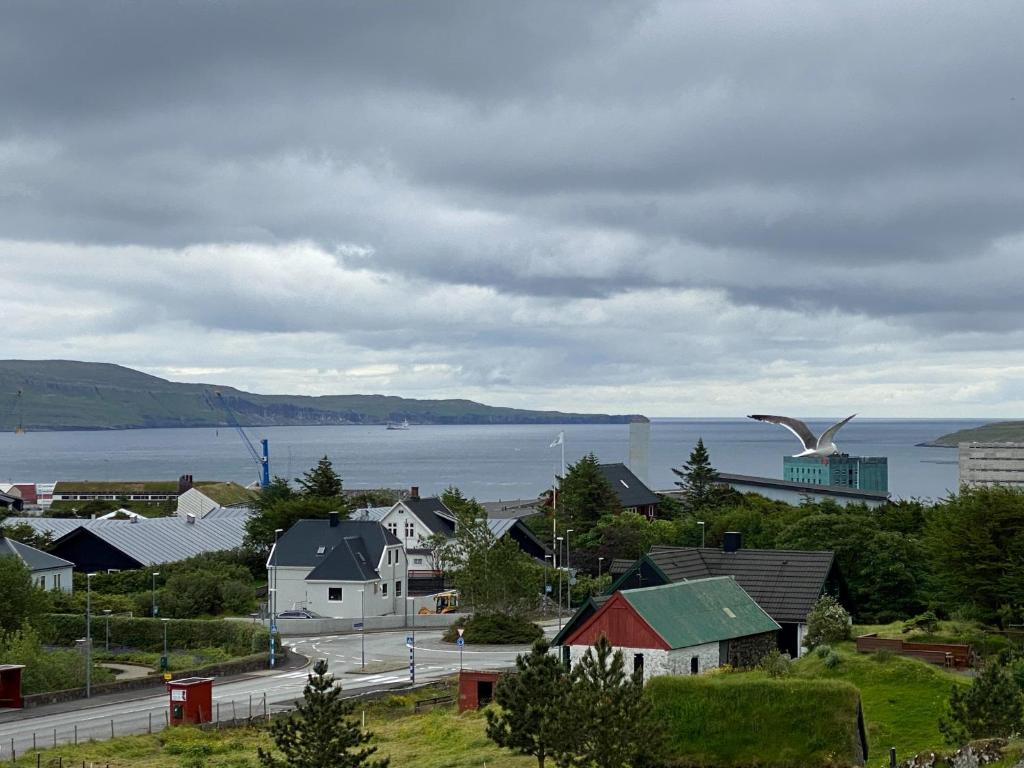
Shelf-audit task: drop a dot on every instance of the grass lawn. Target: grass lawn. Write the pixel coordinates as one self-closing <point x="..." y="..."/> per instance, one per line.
<point x="902" y="698"/>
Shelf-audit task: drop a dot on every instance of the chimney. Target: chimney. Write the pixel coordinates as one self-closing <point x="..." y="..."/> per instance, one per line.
<point x="639" y="446"/>
<point x="414" y="493"/>
<point x="732" y="542"/>
<point x="333" y="517"/>
<point x="184" y="483"/>
<point x="190" y="519"/>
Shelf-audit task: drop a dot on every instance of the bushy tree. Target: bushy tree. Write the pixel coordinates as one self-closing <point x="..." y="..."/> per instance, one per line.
<point x="828" y="622"/>
<point x="975" y="542"/>
<point x="260" y="527"/>
<point x="321" y="733"/>
<point x="990" y="707"/>
<point x="21" y="601"/>
<point x="278" y="490"/>
<point x="321" y="481"/>
<point x="697" y="479"/>
<point x="612" y="718"/>
<point x="585" y="495"/>
<point x="26" y="534"/>
<point x="535" y="702"/>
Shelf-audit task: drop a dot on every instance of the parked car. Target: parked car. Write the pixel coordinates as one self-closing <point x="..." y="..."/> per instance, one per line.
<point x="299" y="614"/>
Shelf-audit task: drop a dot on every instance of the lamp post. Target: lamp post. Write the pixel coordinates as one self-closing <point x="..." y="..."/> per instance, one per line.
<point x="599" y="561"/>
<point x="568" y="578"/>
<point x="88" y="634"/>
<point x="412" y="641"/>
<point x="155" y="608"/>
<point x="559" y="549"/>
<point x="701" y="524"/>
<point x="272" y="598"/>
<point x="166" y="660"/>
<point x="362" y="628"/>
<point x="106" y="612"/>
<point x="546" y="574"/>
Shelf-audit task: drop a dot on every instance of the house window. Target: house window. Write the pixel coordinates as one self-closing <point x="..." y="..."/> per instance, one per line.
<point x="417" y="561"/>
<point x="638" y="663"/>
<point x="389" y="557"/>
<point x="56" y="581"/>
<point x="694" y="665"/>
<point x="384" y="589"/>
<point x="334" y="594"/>
<point x="42" y="582"/>
<point x="393" y="529"/>
<point x="398" y="589"/>
<point x="410" y="530"/>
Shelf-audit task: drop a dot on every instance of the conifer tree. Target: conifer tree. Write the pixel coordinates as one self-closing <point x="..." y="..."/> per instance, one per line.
<point x="534" y="703"/>
<point x="614" y="718"/>
<point x="990" y="708"/>
<point x="697" y="478"/>
<point x="584" y="494"/>
<point x="320" y="732"/>
<point x="321" y="481"/>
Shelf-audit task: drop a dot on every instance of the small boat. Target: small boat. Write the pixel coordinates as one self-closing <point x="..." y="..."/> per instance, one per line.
<point x="403" y="424"/>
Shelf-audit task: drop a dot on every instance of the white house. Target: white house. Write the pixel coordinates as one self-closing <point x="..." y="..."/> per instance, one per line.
<point x="342" y="569"/>
<point x="48" y="572"/>
<point x="414" y="520"/>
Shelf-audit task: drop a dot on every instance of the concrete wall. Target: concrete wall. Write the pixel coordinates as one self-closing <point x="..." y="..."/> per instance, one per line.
<point x="316" y="627"/>
<point x="992" y="464"/>
<point x="659" y="662"/>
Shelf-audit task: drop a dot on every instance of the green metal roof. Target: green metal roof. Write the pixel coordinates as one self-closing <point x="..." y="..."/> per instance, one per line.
<point x="700" y="611"/>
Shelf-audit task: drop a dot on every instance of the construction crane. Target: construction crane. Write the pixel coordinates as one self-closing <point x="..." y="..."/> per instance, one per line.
<point x="20" y="428"/>
<point x="261" y="457"/>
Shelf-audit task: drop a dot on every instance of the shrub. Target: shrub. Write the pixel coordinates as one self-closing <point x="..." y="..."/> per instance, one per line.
<point x="240" y="638"/>
<point x="883" y="655"/>
<point x="924" y="622"/>
<point x="828" y="622"/>
<point x="832" y="660"/>
<point x="991" y="707"/>
<point x="45" y="670"/>
<point x="496" y="629"/>
<point x="823" y="651"/>
<point x="775" y="663"/>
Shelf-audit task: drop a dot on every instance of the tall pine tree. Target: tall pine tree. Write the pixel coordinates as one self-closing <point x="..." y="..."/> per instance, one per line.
<point x="613" y="718"/>
<point x="321" y="481"/>
<point x="697" y="479"/>
<point x="534" y="703"/>
<point x="320" y="732"/>
<point x="584" y="494"/>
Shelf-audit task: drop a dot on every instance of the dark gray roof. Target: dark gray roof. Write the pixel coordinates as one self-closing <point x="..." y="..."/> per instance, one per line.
<point x="619" y="566"/>
<point x="628" y="487"/>
<point x="350" y="550"/>
<point x="787" y="485"/>
<point x="784" y="582"/>
<point x="432" y="513"/>
<point x="35" y="559"/>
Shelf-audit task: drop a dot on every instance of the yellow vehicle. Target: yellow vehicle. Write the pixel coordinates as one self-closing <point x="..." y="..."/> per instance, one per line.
<point x="446" y="602"/>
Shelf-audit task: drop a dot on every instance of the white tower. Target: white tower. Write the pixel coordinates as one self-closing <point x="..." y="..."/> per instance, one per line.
<point x="639" y="446"/>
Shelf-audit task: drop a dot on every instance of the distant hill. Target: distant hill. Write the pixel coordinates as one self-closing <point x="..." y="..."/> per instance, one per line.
<point x="65" y="394"/>
<point x="996" y="432"/>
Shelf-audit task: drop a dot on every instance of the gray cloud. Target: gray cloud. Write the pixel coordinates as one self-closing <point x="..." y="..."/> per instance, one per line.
<point x="531" y="198"/>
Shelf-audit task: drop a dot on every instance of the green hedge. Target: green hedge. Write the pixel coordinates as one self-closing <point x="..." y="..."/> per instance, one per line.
<point x="728" y="721"/>
<point x="495" y="629"/>
<point x="239" y="638"/>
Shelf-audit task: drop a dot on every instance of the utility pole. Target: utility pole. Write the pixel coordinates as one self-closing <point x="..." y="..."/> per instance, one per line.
<point x="88" y="634"/>
<point x="559" y="586"/>
<point x="155" y="608"/>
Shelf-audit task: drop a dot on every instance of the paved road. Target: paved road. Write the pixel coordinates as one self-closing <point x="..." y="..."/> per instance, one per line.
<point x="387" y="665"/>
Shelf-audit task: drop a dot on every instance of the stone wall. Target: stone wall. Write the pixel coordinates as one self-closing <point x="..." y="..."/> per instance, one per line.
<point x="659" y="662"/>
<point x="744" y="652"/>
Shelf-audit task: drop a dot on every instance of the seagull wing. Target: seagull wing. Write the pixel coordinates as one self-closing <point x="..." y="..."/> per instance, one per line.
<point x="795" y="426"/>
<point x="829" y="434"/>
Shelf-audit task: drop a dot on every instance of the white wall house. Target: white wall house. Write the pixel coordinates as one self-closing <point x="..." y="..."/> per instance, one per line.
<point x="341" y="569"/>
<point x="414" y="520"/>
<point x="48" y="571"/>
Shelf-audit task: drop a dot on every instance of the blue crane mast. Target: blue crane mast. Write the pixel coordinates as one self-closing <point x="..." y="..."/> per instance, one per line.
<point x="261" y="457"/>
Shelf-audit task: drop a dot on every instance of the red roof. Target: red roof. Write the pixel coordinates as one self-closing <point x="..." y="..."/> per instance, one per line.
<point x="621" y="624"/>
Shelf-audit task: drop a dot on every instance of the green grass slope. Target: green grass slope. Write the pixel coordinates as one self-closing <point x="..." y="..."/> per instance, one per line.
<point x="66" y="394"/>
<point x="902" y="698"/>
<point x="996" y="432"/>
<point x="728" y="721"/>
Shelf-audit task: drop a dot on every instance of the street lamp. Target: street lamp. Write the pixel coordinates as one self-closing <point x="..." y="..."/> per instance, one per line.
<point x="701" y="524"/>
<point x="165" y="662"/>
<point x="362" y="627"/>
<point x="155" y="609"/>
<point x="568" y="580"/>
<point x="559" y="549"/>
<point x="88" y="634"/>
<point x="106" y="612"/>
<point x="552" y="559"/>
<point x="599" y="561"/>
<point x="272" y="597"/>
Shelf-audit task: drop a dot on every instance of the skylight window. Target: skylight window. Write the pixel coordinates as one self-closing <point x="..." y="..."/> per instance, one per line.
<point x="729" y="613"/>
<point x="321" y="550"/>
<point x="624" y="485"/>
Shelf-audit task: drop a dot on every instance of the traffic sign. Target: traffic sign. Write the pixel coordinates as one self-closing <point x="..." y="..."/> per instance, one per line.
<point x="461" y="641"/>
<point x="461" y="630"/>
<point x="409" y="640"/>
<point x="167" y="676"/>
<point x="572" y="582"/>
<point x="547" y="588"/>
<point x="273" y="628"/>
<point x="357" y="625"/>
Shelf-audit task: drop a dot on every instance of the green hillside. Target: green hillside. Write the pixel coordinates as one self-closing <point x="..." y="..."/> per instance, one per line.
<point x="996" y="432"/>
<point x="65" y="394"/>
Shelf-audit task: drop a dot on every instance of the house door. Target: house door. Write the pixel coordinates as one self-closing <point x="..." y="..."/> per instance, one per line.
<point x="694" y="665"/>
<point x="484" y="692"/>
<point x="638" y="663"/>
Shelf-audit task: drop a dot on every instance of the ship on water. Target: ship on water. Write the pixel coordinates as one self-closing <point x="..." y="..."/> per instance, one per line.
<point x="403" y="424"/>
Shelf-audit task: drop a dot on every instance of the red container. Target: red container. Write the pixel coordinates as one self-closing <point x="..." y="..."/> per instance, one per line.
<point x="10" y="685"/>
<point x="476" y="689"/>
<point x="191" y="700"/>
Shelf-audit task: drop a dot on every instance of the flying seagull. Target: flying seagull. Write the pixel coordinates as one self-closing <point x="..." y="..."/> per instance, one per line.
<point x="813" y="446"/>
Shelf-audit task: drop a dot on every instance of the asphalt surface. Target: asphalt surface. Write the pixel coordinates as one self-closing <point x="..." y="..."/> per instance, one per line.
<point x="386" y="665"/>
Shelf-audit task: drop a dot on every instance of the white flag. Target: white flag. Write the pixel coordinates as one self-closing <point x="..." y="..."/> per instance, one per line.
<point x="560" y="440"/>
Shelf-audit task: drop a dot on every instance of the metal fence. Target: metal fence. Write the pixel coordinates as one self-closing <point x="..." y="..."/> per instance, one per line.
<point x="230" y="713"/>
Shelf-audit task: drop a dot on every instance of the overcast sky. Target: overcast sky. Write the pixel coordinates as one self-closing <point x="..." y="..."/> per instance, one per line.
<point x="679" y="208"/>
